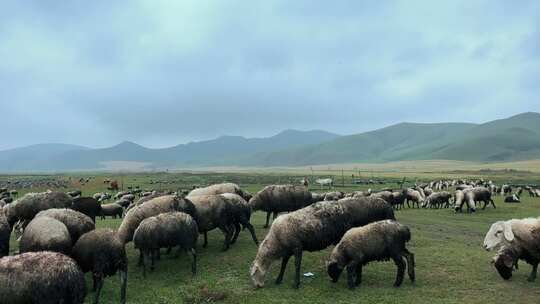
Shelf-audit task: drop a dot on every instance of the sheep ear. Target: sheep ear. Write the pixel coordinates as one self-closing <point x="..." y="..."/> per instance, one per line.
<point x="508" y="234"/>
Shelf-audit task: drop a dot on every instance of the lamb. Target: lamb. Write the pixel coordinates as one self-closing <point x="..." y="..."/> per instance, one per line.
<point x="153" y="207"/>
<point x="220" y="189"/>
<point x="377" y="241"/>
<point x="5" y="234"/>
<point x="313" y="228"/>
<point x="280" y="198"/>
<point x="215" y="211"/>
<point x="113" y="209"/>
<point x="41" y="277"/>
<point x="100" y="252"/>
<point x="166" y="230"/>
<point x="76" y="223"/>
<point x="438" y="200"/>
<point x="45" y="234"/>
<point x="241" y="213"/>
<point x="25" y="208"/>
<point x="87" y="205"/>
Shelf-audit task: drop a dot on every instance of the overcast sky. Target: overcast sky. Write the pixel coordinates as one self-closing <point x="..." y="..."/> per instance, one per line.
<point x="166" y="72"/>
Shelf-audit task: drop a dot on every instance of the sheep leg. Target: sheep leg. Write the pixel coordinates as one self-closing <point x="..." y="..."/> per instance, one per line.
<point x="205" y="240"/>
<point x="493" y="203"/>
<point x="141" y="259"/>
<point x="193" y="261"/>
<point x="358" y="275"/>
<point x="274" y="216"/>
<point x="267" y="219"/>
<point x="99" y="279"/>
<point x="532" y="276"/>
<point x="153" y="259"/>
<point x="158" y="254"/>
<point x="228" y="234"/>
<point x="252" y="231"/>
<point x="410" y="264"/>
<point x="297" y="264"/>
<point x="146" y="261"/>
<point x="351" y="274"/>
<point x="284" y="262"/>
<point x="123" y="285"/>
<point x="236" y="230"/>
<point x="400" y="263"/>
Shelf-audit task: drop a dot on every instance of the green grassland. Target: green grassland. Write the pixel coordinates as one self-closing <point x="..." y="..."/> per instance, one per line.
<point x="451" y="265"/>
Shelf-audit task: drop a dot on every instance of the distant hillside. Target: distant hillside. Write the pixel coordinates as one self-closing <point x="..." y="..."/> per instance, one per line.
<point x="511" y="139"/>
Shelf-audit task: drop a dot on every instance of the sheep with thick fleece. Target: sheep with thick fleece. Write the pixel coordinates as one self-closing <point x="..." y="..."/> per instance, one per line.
<point x="25" y="208"/>
<point x="512" y="231"/>
<point x="220" y="189"/>
<point x="45" y="234"/>
<point x="378" y="241"/>
<point x="313" y="228"/>
<point x="76" y="223"/>
<point x="479" y="194"/>
<point x="438" y="200"/>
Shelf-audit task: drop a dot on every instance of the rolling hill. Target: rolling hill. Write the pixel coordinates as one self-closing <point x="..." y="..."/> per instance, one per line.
<point x="510" y="139"/>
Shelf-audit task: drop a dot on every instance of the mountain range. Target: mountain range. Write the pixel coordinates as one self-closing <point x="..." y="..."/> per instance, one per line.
<point x="513" y="138"/>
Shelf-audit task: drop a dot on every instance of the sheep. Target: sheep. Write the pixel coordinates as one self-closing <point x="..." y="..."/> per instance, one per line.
<point x="123" y="202"/>
<point x="100" y="252"/>
<point x="463" y="187"/>
<point x="128" y="197"/>
<point x="460" y="197"/>
<point x="220" y="189"/>
<point x="333" y="196"/>
<point x="166" y="230"/>
<point x="507" y="258"/>
<point x="87" y="205"/>
<point x="398" y="199"/>
<point x="153" y="207"/>
<point x="41" y="277"/>
<point x="388" y="196"/>
<point x="241" y="213"/>
<point x="215" y="211"/>
<point x="438" y="200"/>
<point x="45" y="234"/>
<point x="376" y="241"/>
<point x="415" y="196"/>
<point x="76" y="223"/>
<point x="479" y="194"/>
<point x="113" y="209"/>
<point x="509" y="232"/>
<point x="514" y="198"/>
<point x="144" y="199"/>
<point x="280" y="198"/>
<point x="75" y="193"/>
<point x="313" y="228"/>
<point x="30" y="204"/>
<point x="428" y="191"/>
<point x="5" y="234"/>
<point x="317" y="197"/>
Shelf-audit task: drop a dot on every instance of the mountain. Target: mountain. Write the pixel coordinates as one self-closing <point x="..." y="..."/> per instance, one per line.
<point x="513" y="138"/>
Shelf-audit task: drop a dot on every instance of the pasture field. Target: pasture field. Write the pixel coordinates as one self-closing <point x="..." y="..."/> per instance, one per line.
<point x="451" y="266"/>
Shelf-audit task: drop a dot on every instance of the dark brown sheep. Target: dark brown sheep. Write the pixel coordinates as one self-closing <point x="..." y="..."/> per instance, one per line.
<point x="113" y="210"/>
<point x="87" y="205"/>
<point x="5" y="234"/>
<point x="241" y="214"/>
<point x="41" y="277"/>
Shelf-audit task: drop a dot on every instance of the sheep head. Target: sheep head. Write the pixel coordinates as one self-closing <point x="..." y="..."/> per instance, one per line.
<point x="498" y="233"/>
<point x="334" y="271"/>
<point x="504" y="262"/>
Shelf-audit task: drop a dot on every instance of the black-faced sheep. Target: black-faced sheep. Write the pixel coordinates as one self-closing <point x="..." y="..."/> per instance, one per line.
<point x="88" y="206"/>
<point x="5" y="234"/>
<point x="76" y="223"/>
<point x="113" y="210"/>
<point x="280" y="198"/>
<point x="153" y="207"/>
<point x="220" y="189"/>
<point x="41" y="277"/>
<point x="45" y="234"/>
<point x="166" y="230"/>
<point x="313" y="228"/>
<point x="100" y="252"/>
<point x="25" y="208"/>
<point x="378" y="241"/>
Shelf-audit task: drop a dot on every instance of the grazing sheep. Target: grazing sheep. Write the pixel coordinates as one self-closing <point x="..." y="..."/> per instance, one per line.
<point x="415" y="196"/>
<point x="76" y="223"/>
<point x="113" y="209"/>
<point x="87" y="205"/>
<point x="214" y="211"/>
<point x="153" y="207"/>
<point x="280" y="198"/>
<point x="5" y="234"/>
<point x="41" y="277"/>
<point x="509" y="232"/>
<point x="100" y="252"/>
<point x="144" y="199"/>
<point x="508" y="256"/>
<point x="25" y="208"/>
<point x="45" y="234"/>
<point x="313" y="228"/>
<point x="166" y="230"/>
<point x="220" y="189"/>
<point x="398" y="199"/>
<point x="241" y="214"/>
<point x="378" y="241"/>
<point x="479" y="194"/>
<point x="459" y="200"/>
<point x="514" y="198"/>
<point x="438" y="200"/>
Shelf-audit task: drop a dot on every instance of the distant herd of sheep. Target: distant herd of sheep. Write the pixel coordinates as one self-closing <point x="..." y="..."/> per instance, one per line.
<point x="58" y="241"/>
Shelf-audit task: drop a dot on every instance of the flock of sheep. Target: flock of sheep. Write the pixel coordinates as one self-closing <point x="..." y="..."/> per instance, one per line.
<point x="58" y="241"/>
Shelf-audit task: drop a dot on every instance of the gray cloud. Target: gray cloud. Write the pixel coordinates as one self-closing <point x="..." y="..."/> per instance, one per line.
<point x="160" y="73"/>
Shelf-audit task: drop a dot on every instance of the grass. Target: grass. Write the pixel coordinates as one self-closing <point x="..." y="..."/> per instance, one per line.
<point x="451" y="265"/>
